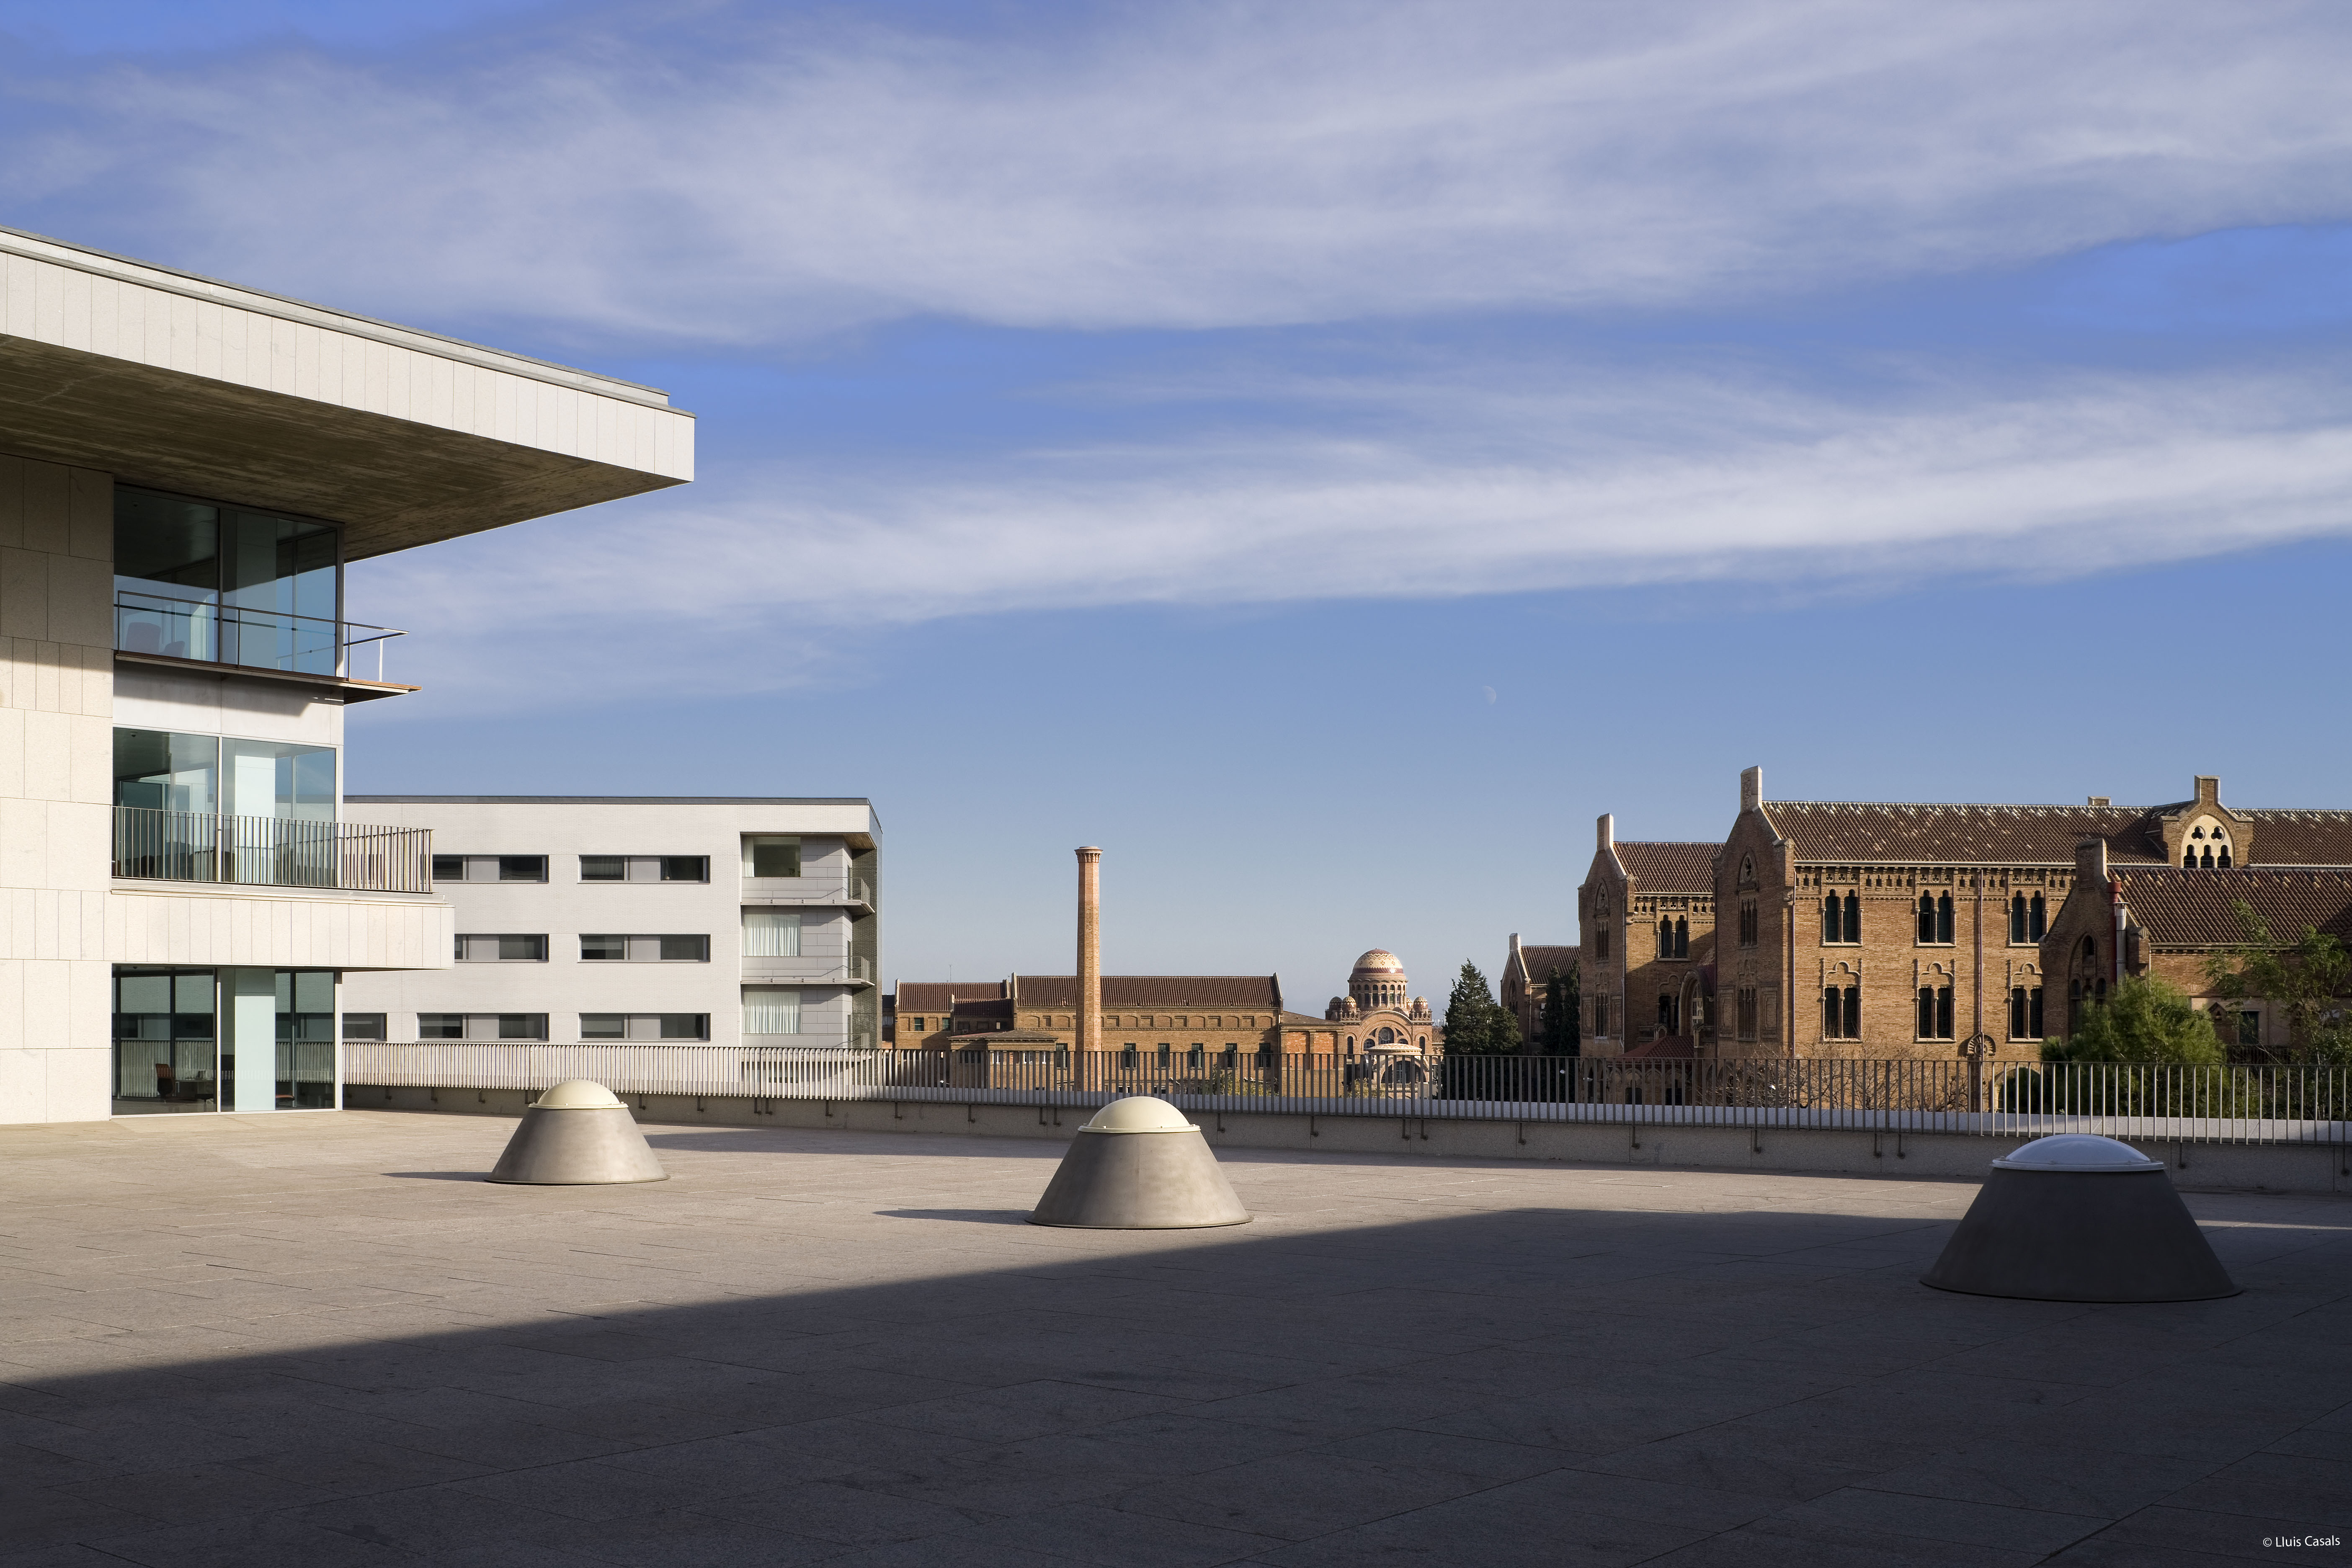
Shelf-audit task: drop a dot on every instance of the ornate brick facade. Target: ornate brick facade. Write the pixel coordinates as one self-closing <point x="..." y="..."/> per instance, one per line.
<point x="1882" y="930"/>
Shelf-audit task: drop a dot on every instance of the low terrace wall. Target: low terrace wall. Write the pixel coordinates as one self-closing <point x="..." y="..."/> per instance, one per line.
<point x="1900" y="1154"/>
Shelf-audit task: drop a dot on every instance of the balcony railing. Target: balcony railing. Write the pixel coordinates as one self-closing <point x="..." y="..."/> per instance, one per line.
<point x="270" y="851"/>
<point x="810" y="966"/>
<point x="851" y="891"/>
<point x="259" y="639"/>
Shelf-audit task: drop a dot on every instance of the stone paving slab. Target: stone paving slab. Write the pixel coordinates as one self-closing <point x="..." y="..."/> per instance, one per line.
<point x="322" y="1340"/>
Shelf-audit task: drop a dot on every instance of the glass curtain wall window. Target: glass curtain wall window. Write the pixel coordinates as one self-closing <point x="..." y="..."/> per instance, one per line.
<point x="306" y="1039"/>
<point x="770" y="1010"/>
<point x="166" y="1039"/>
<point x="200" y="581"/>
<point x="772" y="934"/>
<point x="174" y="792"/>
<point x="170" y="1053"/>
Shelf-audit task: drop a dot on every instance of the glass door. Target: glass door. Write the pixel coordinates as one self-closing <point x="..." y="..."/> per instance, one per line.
<point x="166" y="1041"/>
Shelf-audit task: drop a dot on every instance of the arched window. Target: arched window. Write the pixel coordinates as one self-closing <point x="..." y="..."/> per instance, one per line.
<point x="1682" y="938"/>
<point x="1669" y="1015"/>
<point x="1926" y="917"/>
<point x="2188" y="858"/>
<point x="2017" y="918"/>
<point x="2017" y="1014"/>
<point x="1854" y="917"/>
<point x="1748" y="922"/>
<point x="1935" y="1012"/>
<point x="2225" y="857"/>
<point x="2035" y="927"/>
<point x="1665" y="938"/>
<point x="1943" y="917"/>
<point x="1833" y="926"/>
<point x="1842" y="1013"/>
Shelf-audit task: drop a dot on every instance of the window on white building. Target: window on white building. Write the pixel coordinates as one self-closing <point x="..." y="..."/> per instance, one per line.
<point x="772" y="934"/>
<point x="771" y="855"/>
<point x="645" y="1026"/>
<point x="771" y="1010"/>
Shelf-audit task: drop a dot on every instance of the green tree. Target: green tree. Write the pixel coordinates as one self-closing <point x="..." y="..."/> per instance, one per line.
<point x="2142" y="1020"/>
<point x="1556" y="1028"/>
<point x="1476" y="1024"/>
<point x="2306" y="985"/>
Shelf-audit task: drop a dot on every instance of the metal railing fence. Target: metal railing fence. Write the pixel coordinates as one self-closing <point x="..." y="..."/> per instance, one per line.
<point x="2162" y="1103"/>
<point x="213" y="632"/>
<point x="271" y="851"/>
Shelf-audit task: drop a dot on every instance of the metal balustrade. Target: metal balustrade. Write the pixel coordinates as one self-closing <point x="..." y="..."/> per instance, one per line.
<point x="214" y="633"/>
<point x="270" y="851"/>
<point x="2162" y="1103"/>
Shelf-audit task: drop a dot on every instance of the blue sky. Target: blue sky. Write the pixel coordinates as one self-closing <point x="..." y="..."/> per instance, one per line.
<point x="1323" y="454"/>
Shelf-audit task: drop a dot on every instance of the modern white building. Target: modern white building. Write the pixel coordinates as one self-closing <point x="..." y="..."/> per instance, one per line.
<point x="735" y="922"/>
<point x="185" y="469"/>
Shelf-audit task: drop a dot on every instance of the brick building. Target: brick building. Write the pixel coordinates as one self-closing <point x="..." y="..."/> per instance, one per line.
<point x="1520" y="987"/>
<point x="1646" y="913"/>
<point x="1883" y="929"/>
<point x="1025" y="1019"/>
<point x="2167" y="920"/>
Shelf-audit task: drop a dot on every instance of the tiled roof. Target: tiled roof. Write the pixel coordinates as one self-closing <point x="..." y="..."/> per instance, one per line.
<point x="1673" y="1047"/>
<point x="1663" y="866"/>
<point x="1153" y="990"/>
<point x="938" y="995"/>
<point x="1542" y="961"/>
<point x="2180" y="907"/>
<point x="1853" y="831"/>
<point x="2301" y="838"/>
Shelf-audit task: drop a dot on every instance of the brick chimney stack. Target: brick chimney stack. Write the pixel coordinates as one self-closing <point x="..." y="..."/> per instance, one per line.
<point x="1089" y="949"/>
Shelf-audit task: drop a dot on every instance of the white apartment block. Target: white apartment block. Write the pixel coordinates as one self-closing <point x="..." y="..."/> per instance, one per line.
<point x="185" y="469"/>
<point x="728" y="921"/>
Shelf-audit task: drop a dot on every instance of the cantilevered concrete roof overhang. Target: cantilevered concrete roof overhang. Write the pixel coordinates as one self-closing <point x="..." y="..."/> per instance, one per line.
<point x="165" y="379"/>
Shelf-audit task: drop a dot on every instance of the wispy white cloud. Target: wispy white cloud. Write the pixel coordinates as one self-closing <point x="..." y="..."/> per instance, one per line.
<point x="721" y="174"/>
<point x="763" y="574"/>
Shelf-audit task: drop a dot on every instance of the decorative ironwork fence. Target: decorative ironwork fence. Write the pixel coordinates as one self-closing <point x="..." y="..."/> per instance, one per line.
<point x="2203" y="1105"/>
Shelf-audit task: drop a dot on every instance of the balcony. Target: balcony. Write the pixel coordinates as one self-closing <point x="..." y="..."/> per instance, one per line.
<point x="270" y="852"/>
<point x="810" y="969"/>
<point x="833" y="892"/>
<point x="184" y="634"/>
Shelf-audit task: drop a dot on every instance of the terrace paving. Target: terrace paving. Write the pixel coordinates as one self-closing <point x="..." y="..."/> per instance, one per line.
<point x="318" y="1339"/>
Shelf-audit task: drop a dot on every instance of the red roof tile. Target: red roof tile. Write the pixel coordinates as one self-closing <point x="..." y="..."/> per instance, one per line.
<point x="1542" y="961"/>
<point x="1855" y="831"/>
<point x="1665" y="866"/>
<point x="2180" y="907"/>
<point x="1153" y="990"/>
<point x="938" y="995"/>
<point x="1673" y="1047"/>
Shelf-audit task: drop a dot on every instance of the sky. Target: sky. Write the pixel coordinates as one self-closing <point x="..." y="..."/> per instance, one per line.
<point x="1322" y="453"/>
